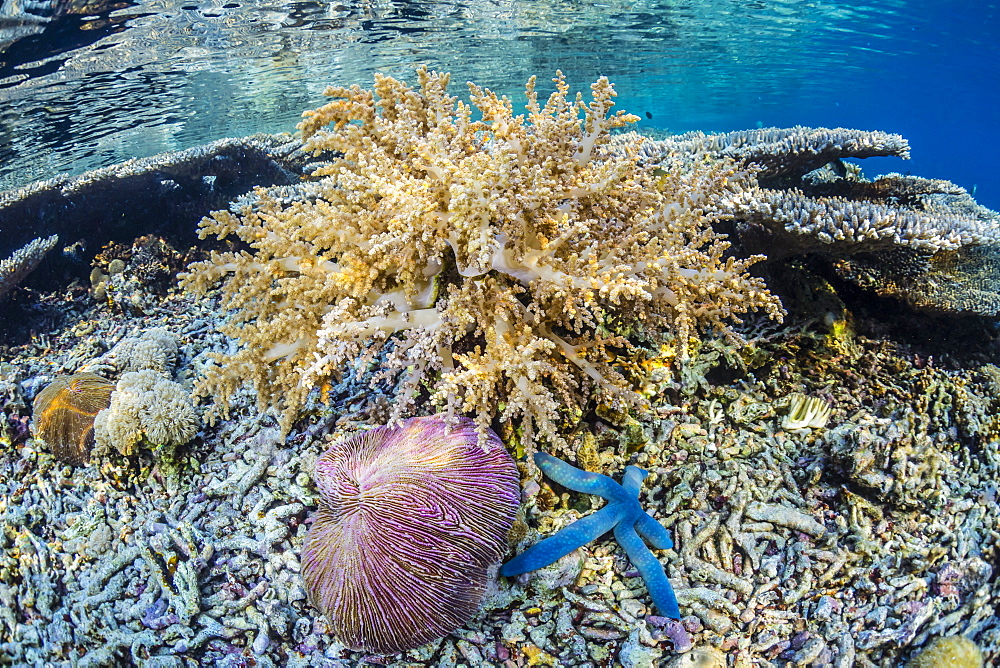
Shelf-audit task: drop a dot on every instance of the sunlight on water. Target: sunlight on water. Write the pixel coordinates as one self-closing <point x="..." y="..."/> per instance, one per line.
<point x="104" y="81"/>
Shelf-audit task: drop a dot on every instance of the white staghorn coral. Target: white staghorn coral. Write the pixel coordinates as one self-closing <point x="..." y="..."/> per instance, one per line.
<point x="22" y="262"/>
<point x="505" y="257"/>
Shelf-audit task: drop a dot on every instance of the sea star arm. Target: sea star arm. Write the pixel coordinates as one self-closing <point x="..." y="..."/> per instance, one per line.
<point x="653" y="532"/>
<point x="560" y="544"/>
<point x="647" y="527"/>
<point x="632" y="480"/>
<point x="576" y="479"/>
<point x="623" y="513"/>
<point x="650" y="569"/>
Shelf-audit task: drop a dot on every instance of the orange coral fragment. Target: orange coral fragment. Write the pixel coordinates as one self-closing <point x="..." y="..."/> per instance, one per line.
<point x="63" y="414"/>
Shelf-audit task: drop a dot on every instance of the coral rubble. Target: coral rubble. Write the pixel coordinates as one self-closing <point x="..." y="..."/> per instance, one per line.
<point x="506" y="258"/>
<point x="786" y="550"/>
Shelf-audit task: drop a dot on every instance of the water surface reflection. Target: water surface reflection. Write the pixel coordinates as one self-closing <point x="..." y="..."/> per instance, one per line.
<point x="134" y="79"/>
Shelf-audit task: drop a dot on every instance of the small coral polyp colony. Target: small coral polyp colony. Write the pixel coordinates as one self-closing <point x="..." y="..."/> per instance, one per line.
<point x="506" y="258"/>
<point x="85" y="414"/>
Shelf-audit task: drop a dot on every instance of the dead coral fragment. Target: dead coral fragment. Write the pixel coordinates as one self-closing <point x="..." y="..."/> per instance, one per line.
<point x="63" y="414"/>
<point x="506" y="255"/>
<point x="23" y="262"/>
<point x="785" y="516"/>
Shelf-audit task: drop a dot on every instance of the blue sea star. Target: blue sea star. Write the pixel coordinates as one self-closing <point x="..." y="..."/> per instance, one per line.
<point x="622" y="513"/>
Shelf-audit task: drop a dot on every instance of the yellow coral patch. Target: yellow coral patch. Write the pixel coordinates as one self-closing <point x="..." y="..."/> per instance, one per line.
<point x="508" y="257"/>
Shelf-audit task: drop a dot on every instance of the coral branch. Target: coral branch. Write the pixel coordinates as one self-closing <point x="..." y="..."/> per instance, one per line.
<point x="496" y="260"/>
<point x="23" y="262"/>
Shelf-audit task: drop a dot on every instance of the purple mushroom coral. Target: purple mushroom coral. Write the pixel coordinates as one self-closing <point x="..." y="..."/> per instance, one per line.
<point x="412" y="522"/>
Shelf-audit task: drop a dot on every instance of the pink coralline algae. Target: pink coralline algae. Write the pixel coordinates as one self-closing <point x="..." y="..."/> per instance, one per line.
<point x="412" y="523"/>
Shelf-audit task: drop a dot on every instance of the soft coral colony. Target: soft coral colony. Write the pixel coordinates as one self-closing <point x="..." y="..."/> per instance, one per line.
<point x="506" y="258"/>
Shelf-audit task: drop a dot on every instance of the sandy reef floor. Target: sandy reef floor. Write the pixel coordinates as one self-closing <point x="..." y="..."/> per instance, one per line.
<point x="847" y="545"/>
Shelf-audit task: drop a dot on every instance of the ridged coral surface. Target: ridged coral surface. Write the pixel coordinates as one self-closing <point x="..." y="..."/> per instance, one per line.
<point x="411" y="523"/>
<point x="63" y="414"/>
<point x="948" y="652"/>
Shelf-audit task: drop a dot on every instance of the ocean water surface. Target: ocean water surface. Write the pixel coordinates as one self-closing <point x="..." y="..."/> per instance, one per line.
<point x="88" y="83"/>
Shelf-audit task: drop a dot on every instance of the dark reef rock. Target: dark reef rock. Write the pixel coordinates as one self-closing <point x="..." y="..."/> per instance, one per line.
<point x="923" y="241"/>
<point x="165" y="194"/>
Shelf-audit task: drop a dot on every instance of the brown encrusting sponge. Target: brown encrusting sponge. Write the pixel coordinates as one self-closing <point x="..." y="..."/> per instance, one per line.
<point x="507" y="258"/>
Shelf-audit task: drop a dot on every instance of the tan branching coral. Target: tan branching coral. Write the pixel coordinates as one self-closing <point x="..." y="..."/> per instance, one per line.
<point x="22" y="262"/>
<point x="503" y="256"/>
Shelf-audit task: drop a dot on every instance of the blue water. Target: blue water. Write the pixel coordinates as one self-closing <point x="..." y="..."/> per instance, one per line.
<point x="101" y="84"/>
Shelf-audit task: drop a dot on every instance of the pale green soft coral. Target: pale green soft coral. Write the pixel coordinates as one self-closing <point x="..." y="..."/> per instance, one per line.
<point x="146" y="408"/>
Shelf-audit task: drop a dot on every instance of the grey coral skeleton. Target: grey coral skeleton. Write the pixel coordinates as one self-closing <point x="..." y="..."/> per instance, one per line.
<point x="22" y="262"/>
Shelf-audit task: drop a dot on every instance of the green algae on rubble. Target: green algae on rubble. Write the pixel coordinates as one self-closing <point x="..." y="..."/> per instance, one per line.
<point x="948" y="652"/>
